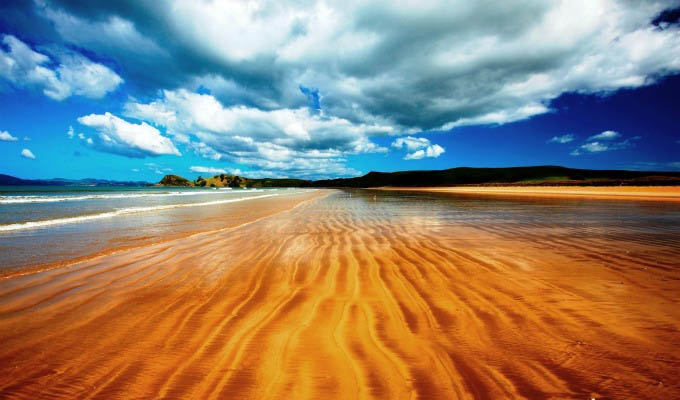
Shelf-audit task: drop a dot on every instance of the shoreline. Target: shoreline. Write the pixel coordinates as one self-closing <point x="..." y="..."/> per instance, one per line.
<point x="644" y="193"/>
<point x="31" y="269"/>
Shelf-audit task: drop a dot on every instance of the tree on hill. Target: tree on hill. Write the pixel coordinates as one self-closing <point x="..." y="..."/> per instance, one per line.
<point x="174" y="180"/>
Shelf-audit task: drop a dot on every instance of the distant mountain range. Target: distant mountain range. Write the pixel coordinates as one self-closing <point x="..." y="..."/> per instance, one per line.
<point x="7" y="180"/>
<point x="538" y="175"/>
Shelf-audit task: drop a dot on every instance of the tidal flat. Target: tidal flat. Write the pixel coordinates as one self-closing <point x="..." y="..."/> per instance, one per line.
<point x="364" y="294"/>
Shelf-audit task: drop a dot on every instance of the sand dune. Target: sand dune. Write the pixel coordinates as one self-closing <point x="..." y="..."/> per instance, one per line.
<point x="337" y="298"/>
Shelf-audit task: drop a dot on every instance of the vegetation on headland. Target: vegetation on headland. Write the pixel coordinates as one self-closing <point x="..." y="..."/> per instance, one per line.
<point x="233" y="181"/>
<point x="515" y="176"/>
<point x="174" y="180"/>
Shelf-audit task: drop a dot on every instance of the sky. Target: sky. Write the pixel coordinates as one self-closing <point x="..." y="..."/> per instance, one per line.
<point x="134" y="90"/>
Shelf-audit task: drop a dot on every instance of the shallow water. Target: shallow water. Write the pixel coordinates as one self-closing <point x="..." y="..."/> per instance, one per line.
<point x="44" y="225"/>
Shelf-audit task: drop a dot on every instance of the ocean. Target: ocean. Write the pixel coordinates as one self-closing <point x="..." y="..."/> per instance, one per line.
<point x="40" y="225"/>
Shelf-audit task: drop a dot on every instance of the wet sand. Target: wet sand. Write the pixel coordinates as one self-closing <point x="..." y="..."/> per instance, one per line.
<point x="659" y="193"/>
<point x="344" y="297"/>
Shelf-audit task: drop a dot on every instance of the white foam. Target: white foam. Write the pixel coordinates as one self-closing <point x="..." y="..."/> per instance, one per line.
<point x="52" y="199"/>
<point x="122" y="211"/>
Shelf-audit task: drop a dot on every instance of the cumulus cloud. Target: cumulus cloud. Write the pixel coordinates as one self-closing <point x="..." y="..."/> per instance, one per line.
<point x="419" y="148"/>
<point x="562" y="139"/>
<point x="115" y="135"/>
<point x="433" y="151"/>
<point x="295" y="140"/>
<point x="470" y="63"/>
<point x="7" y="137"/>
<point x="411" y="143"/>
<point x="214" y="171"/>
<point x="26" y="153"/>
<point x="65" y="74"/>
<point x="605" y="141"/>
<point x="606" y="135"/>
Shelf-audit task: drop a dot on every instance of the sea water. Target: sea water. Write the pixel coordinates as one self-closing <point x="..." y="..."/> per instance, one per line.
<point x="43" y="224"/>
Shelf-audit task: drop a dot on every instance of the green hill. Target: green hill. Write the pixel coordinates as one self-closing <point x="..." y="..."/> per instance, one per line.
<point x="174" y="180"/>
<point x="234" y="181"/>
<point x="538" y="175"/>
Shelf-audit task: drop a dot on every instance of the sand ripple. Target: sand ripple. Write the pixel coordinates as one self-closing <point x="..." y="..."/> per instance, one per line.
<point x="338" y="298"/>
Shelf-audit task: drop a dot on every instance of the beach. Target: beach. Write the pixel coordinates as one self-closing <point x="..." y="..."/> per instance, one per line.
<point x="363" y="294"/>
<point x="658" y="193"/>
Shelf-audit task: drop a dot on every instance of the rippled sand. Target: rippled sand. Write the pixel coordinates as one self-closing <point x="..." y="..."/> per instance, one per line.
<point x="342" y="297"/>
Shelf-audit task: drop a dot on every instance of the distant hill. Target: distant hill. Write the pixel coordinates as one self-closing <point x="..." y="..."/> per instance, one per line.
<point x="234" y="181"/>
<point x="174" y="180"/>
<point x="7" y="180"/>
<point x="538" y="175"/>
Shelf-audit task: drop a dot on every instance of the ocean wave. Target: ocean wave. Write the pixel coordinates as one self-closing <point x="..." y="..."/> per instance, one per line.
<point x="119" y="212"/>
<point x="54" y="199"/>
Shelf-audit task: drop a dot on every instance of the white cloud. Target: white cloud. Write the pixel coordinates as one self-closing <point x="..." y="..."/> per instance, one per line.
<point x="433" y="151"/>
<point x="27" y="139"/>
<point x="215" y="171"/>
<point x="295" y="140"/>
<point x="470" y="63"/>
<point x="607" y="145"/>
<point x="419" y="148"/>
<point x="157" y="169"/>
<point x="70" y="133"/>
<point x="562" y="139"/>
<point x="595" y="147"/>
<point x="606" y="135"/>
<point x="118" y="136"/>
<point x="26" y="153"/>
<point x="208" y="170"/>
<point x="64" y="75"/>
<point x="7" y="137"/>
<point x="411" y="143"/>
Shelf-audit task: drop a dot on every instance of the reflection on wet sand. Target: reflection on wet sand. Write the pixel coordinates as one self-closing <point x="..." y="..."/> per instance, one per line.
<point x="400" y="296"/>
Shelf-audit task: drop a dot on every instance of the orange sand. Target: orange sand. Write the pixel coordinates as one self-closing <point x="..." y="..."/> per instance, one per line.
<point x="333" y="299"/>
<point x="662" y="193"/>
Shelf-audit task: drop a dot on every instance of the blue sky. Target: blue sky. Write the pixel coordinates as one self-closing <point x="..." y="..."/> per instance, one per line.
<point x="135" y="90"/>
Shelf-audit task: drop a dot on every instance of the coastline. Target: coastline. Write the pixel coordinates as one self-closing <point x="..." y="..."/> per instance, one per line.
<point x="645" y="193"/>
<point x="343" y="296"/>
<point x="266" y="207"/>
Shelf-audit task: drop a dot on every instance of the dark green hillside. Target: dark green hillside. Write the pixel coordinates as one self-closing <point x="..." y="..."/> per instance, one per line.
<point x="539" y="175"/>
